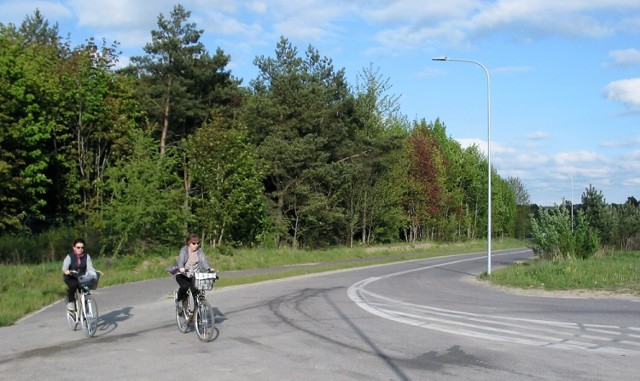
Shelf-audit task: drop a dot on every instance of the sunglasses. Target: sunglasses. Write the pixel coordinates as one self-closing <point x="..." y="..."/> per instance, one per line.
<point x="80" y="247"/>
<point x="195" y="243"/>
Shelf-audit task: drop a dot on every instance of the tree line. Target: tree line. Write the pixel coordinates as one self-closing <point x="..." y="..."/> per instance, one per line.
<point x="138" y="155"/>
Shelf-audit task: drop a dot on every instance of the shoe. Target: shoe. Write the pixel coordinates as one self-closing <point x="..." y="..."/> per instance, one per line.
<point x="71" y="306"/>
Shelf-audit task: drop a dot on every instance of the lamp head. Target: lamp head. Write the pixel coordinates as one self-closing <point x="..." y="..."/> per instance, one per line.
<point x="439" y="58"/>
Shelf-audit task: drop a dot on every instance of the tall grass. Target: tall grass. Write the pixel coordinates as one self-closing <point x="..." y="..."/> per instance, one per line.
<point x="618" y="272"/>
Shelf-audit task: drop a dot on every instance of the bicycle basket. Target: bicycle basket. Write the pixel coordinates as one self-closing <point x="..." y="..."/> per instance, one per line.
<point x="204" y="281"/>
<point x="89" y="280"/>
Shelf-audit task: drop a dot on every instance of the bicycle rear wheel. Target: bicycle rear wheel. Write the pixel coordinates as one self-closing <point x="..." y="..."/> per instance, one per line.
<point x="205" y="321"/>
<point x="89" y="316"/>
<point x="183" y="318"/>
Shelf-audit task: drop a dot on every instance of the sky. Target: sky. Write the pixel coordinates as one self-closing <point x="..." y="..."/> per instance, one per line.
<point x="560" y="99"/>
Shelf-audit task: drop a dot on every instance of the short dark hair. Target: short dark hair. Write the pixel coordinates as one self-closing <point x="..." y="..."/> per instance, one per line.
<point x="77" y="241"/>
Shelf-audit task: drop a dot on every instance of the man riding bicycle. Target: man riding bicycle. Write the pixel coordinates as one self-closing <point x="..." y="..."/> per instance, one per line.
<point x="77" y="261"/>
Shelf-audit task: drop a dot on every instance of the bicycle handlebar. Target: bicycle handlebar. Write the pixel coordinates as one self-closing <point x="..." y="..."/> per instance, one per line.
<point x="191" y="273"/>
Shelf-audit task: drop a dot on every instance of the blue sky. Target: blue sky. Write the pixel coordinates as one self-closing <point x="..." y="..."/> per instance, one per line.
<point x="565" y="75"/>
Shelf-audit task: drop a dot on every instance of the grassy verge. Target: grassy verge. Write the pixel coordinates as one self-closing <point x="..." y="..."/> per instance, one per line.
<point x="27" y="288"/>
<point x="618" y="272"/>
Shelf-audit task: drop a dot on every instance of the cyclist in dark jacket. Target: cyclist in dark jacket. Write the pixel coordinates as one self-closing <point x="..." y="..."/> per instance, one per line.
<point x="76" y="260"/>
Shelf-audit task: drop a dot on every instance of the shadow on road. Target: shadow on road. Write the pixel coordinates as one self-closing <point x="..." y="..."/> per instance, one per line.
<point x="109" y="321"/>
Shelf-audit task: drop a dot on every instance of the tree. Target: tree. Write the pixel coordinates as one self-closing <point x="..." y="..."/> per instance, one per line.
<point x="597" y="214"/>
<point x="99" y="112"/>
<point x="371" y="195"/>
<point x="180" y="84"/>
<point x="65" y="111"/>
<point x="504" y="207"/>
<point x="519" y="190"/>
<point x="29" y="94"/>
<point x="301" y="119"/>
<point x="165" y="70"/>
<point x="228" y="201"/>
<point x="145" y="205"/>
<point x="35" y="30"/>
<point x="179" y="81"/>
<point x="626" y="229"/>
<point x="427" y="173"/>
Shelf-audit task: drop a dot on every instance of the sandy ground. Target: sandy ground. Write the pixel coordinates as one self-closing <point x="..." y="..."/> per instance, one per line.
<point x="584" y="294"/>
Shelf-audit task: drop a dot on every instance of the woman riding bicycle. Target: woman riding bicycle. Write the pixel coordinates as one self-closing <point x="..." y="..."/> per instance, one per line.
<point x="190" y="261"/>
<point x="79" y="261"/>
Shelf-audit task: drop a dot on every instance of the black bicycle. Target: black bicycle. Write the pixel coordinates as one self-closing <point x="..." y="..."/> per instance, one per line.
<point x="86" y="308"/>
<point x="197" y="310"/>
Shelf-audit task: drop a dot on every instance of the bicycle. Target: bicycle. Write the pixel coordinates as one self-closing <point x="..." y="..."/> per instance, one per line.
<point x="86" y="311"/>
<point x="197" y="309"/>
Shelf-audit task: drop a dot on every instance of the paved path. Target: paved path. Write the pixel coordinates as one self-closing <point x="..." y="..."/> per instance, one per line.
<point x="415" y="320"/>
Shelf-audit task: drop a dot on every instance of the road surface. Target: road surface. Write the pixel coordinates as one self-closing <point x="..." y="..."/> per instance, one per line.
<point x="418" y="320"/>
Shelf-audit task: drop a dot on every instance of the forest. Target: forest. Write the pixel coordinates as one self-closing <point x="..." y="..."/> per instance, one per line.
<point x="135" y="157"/>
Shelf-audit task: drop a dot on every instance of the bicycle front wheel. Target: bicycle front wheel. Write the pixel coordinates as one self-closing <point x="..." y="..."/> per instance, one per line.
<point x="205" y="321"/>
<point x="90" y="316"/>
<point x="71" y="320"/>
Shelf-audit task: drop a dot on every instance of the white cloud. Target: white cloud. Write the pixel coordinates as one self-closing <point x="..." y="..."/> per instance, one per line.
<point x="118" y="13"/>
<point x="626" y="91"/>
<point x="481" y="144"/>
<point x="13" y="10"/>
<point x="538" y="135"/>
<point x="513" y="69"/>
<point x="625" y="57"/>
<point x="623" y="143"/>
<point x="415" y="23"/>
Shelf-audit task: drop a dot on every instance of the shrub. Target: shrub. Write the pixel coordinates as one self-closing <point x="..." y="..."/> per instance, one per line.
<point x="554" y="238"/>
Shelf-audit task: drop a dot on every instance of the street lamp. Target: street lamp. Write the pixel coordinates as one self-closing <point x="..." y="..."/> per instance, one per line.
<point x="488" y="151"/>
<point x="571" y="177"/>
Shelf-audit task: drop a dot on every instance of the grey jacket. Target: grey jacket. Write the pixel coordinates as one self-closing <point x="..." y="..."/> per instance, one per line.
<point x="202" y="264"/>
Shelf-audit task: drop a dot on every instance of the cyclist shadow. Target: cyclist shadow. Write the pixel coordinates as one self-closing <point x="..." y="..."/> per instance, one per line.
<point x="218" y="316"/>
<point x="109" y="322"/>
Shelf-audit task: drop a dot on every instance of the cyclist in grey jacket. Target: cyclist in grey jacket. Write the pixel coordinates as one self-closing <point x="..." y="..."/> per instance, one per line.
<point x="190" y="261"/>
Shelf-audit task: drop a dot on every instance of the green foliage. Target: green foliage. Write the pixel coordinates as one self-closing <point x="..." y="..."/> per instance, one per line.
<point x="598" y="214"/>
<point x="301" y="118"/>
<point x="145" y="205"/>
<point x="229" y="205"/>
<point x="179" y="82"/>
<point x="28" y="97"/>
<point x="519" y="190"/>
<point x="554" y="238"/>
<point x="626" y="231"/>
<point x="297" y="159"/>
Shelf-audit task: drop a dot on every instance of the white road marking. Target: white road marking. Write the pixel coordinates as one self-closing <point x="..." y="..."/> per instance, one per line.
<point x="543" y="333"/>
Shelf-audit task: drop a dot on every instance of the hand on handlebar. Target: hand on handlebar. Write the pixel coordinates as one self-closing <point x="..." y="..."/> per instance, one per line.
<point x="212" y="270"/>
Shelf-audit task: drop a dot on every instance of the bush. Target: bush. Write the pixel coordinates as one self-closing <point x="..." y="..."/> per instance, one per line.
<point x="554" y="237"/>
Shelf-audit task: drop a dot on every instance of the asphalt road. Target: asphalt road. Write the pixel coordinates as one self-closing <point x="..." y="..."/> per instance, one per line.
<point x="416" y="320"/>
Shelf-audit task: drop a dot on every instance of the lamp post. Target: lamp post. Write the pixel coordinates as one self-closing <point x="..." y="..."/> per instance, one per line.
<point x="488" y="151"/>
<point x="571" y="177"/>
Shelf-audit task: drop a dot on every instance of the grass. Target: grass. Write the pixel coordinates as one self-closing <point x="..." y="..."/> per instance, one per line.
<point x="27" y="288"/>
<point x="618" y="272"/>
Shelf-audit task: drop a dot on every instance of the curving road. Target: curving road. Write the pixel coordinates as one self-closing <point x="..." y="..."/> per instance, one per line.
<point x="416" y="320"/>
